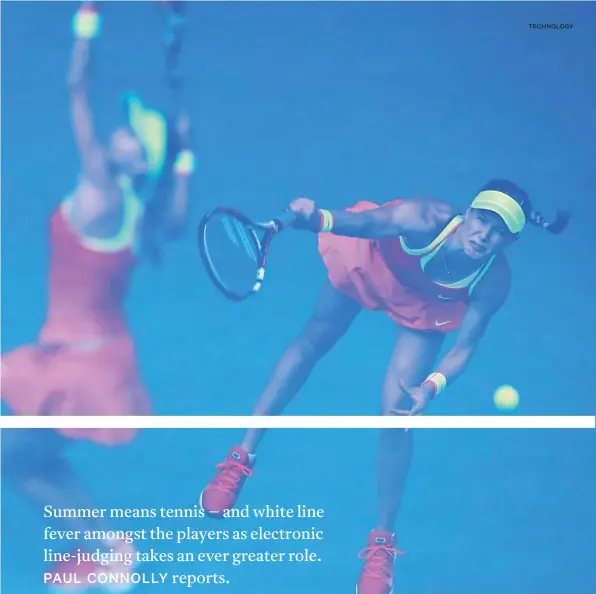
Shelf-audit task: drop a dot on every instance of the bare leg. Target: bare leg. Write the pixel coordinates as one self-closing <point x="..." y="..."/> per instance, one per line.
<point x="411" y="362"/>
<point x="33" y="461"/>
<point x="333" y="315"/>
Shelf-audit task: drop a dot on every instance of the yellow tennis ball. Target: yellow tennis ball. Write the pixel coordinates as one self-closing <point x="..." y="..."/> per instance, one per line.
<point x="506" y="398"/>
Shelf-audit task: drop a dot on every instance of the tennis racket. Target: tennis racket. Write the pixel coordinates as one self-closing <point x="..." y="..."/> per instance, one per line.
<point x="234" y="249"/>
<point x="173" y="20"/>
<point x="174" y="13"/>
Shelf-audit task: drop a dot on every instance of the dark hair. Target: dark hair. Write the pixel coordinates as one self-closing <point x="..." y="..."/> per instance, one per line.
<point x="156" y="205"/>
<point x="533" y="217"/>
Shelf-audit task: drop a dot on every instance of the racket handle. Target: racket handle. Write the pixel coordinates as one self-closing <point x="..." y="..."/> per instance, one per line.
<point x="286" y="219"/>
<point x="177" y="6"/>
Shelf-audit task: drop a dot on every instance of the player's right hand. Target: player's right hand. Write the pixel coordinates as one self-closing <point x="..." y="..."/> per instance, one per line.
<point x="307" y="216"/>
<point x="183" y="129"/>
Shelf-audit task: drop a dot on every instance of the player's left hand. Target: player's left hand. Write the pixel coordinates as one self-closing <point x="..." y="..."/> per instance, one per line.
<point x="420" y="397"/>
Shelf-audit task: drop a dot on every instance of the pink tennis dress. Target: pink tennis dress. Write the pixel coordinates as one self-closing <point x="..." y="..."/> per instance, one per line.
<point x="386" y="275"/>
<point x="99" y="376"/>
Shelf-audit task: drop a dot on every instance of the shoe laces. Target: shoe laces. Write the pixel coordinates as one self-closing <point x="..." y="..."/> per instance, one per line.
<point x="376" y="557"/>
<point x="230" y="475"/>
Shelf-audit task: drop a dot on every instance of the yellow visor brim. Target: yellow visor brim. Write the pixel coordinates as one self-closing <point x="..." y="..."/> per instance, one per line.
<point x="151" y="129"/>
<point x="503" y="205"/>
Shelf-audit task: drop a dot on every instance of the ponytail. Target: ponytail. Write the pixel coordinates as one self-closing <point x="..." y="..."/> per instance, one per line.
<point x="556" y="227"/>
<point x="486" y="199"/>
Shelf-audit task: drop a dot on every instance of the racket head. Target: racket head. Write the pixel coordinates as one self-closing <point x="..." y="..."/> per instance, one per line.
<point x="232" y="252"/>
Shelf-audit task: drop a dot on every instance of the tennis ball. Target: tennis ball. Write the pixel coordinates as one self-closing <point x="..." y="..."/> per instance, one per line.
<point x="506" y="398"/>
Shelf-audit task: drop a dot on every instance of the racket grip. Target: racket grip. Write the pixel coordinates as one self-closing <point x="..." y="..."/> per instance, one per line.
<point x="177" y="6"/>
<point x="286" y="219"/>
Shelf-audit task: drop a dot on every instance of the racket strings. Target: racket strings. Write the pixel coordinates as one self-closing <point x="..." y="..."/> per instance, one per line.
<point x="233" y="252"/>
<point x="237" y="232"/>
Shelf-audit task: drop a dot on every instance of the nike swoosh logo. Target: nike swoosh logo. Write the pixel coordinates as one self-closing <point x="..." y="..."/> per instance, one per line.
<point x="437" y="323"/>
<point x="445" y="298"/>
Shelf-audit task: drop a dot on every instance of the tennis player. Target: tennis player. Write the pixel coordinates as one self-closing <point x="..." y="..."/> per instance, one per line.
<point x="83" y="361"/>
<point x="432" y="271"/>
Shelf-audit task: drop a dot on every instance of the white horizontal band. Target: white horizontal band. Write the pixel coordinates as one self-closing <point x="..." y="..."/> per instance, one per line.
<point x="301" y="422"/>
